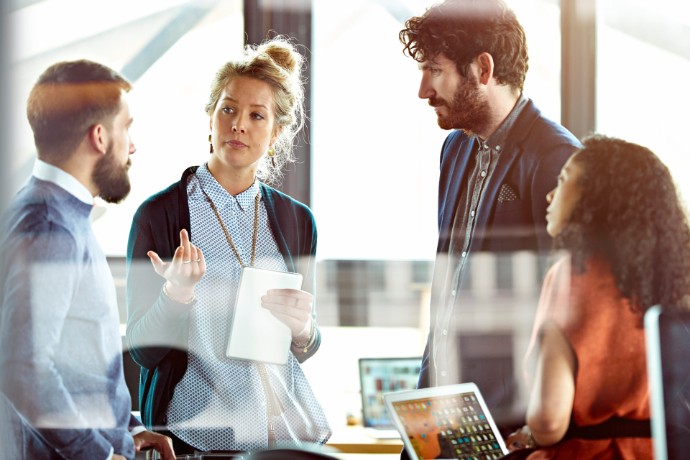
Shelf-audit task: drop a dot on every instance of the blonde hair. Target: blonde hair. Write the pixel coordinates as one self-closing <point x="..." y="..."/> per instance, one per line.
<point x="277" y="62"/>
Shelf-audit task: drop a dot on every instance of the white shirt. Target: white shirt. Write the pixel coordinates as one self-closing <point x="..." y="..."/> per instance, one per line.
<point x="62" y="179"/>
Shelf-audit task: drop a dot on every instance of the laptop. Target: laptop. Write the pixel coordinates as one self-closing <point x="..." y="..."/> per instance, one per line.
<point x="668" y="352"/>
<point x="378" y="376"/>
<point x="449" y="422"/>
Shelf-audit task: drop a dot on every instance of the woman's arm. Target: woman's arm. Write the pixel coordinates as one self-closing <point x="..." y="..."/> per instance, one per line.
<point x="156" y="323"/>
<point x="553" y="391"/>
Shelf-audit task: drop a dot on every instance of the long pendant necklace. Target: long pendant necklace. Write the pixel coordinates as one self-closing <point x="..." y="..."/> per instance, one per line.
<point x="227" y="233"/>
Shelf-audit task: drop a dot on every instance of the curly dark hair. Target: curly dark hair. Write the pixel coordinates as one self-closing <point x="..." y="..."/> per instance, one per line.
<point x="630" y="212"/>
<point x="463" y="29"/>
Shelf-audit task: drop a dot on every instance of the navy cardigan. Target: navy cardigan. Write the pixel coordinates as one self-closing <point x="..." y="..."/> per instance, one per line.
<point x="156" y="227"/>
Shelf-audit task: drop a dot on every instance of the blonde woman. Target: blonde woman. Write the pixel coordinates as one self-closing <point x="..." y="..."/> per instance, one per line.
<point x="198" y="234"/>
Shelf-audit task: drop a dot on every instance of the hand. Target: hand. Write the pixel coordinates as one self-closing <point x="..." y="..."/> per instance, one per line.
<point x="520" y="439"/>
<point x="187" y="267"/>
<point x="293" y="307"/>
<point x="118" y="457"/>
<point x="150" y="440"/>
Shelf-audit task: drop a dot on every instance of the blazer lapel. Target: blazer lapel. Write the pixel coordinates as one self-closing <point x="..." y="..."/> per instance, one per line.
<point x="512" y="150"/>
<point x="454" y="164"/>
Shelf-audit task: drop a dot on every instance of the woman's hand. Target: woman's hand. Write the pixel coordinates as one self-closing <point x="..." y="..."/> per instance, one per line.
<point x="183" y="272"/>
<point x="520" y="439"/>
<point x="293" y="307"/>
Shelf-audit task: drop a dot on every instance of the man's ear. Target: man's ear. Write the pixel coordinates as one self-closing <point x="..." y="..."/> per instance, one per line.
<point x="485" y="65"/>
<point x="98" y="138"/>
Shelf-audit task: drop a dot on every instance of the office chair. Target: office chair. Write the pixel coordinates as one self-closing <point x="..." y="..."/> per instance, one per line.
<point x="667" y="336"/>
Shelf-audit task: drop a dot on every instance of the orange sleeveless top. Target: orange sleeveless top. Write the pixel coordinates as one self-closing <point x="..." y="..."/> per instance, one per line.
<point x="608" y="340"/>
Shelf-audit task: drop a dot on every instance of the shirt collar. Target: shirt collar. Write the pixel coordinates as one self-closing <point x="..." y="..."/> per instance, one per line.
<point x="499" y="137"/>
<point x="220" y="196"/>
<point x="62" y="179"/>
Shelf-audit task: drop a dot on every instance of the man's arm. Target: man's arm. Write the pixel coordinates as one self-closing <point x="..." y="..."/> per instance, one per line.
<point x="41" y="278"/>
<point x="145" y="440"/>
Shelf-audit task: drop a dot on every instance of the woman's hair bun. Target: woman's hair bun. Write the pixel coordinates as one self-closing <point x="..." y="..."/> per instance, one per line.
<point x="283" y="54"/>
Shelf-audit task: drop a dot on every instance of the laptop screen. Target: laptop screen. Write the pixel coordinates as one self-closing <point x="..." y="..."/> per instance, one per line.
<point x="446" y="422"/>
<point x="382" y="375"/>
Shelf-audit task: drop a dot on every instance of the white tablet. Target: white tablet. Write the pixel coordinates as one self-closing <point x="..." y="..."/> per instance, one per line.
<point x="450" y="422"/>
<point x="255" y="333"/>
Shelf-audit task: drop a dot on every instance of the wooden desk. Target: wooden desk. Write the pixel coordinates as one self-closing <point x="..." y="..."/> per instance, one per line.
<point x="354" y="440"/>
<point x="366" y="456"/>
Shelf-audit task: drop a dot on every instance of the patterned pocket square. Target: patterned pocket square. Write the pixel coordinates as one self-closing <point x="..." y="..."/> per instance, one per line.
<point x="506" y="194"/>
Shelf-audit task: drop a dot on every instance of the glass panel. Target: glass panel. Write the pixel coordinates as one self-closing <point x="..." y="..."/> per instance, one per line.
<point x="375" y="143"/>
<point x="170" y="49"/>
<point x="643" y="65"/>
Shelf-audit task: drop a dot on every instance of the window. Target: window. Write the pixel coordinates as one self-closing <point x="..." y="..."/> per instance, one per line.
<point x="643" y="60"/>
<point x="170" y="50"/>
<point x="376" y="145"/>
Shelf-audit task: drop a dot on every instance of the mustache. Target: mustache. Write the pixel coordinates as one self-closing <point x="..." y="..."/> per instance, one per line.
<point x="437" y="102"/>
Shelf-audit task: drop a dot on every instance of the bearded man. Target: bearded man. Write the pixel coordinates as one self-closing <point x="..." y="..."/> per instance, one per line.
<point x="63" y="393"/>
<point x="498" y="163"/>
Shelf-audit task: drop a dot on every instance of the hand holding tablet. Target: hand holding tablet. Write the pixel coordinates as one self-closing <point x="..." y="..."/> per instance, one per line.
<point x="256" y="333"/>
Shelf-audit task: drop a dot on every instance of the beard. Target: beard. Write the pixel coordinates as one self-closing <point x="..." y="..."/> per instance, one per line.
<point x="111" y="178"/>
<point x="468" y="111"/>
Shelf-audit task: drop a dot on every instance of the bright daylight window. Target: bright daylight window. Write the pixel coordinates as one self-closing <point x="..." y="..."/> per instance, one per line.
<point x="169" y="49"/>
<point x="376" y="145"/>
<point x="643" y="60"/>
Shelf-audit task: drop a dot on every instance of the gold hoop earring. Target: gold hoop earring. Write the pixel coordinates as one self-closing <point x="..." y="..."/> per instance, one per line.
<point x="210" y="144"/>
<point x="272" y="154"/>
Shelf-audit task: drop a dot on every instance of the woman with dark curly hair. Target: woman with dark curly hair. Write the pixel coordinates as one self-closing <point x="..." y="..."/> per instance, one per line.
<point x="617" y="213"/>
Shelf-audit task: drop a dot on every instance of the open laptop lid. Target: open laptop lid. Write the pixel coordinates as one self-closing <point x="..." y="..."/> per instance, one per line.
<point x="450" y="421"/>
<point x="381" y="375"/>
<point x="668" y="353"/>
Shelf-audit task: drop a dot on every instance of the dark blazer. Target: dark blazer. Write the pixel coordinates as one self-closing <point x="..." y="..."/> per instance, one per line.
<point x="156" y="227"/>
<point x="528" y="165"/>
